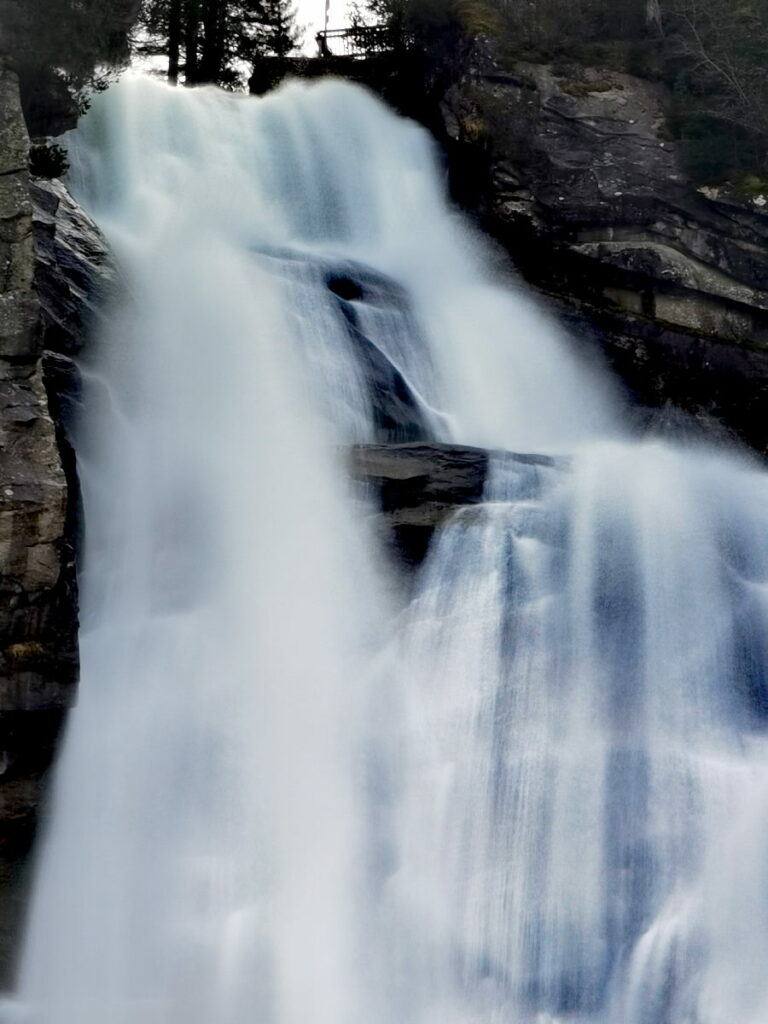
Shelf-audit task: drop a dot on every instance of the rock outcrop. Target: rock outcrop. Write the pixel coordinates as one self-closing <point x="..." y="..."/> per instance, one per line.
<point x="572" y="169"/>
<point x="52" y="261"/>
<point x="418" y="486"/>
<point x="382" y="333"/>
<point x="73" y="270"/>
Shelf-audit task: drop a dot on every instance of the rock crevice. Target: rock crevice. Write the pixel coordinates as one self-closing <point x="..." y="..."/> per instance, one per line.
<point x="418" y="486"/>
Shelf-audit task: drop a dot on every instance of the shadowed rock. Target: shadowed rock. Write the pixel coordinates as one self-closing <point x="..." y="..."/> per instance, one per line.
<point x="54" y="264"/>
<point x="419" y="486"/>
<point x="73" y="269"/>
<point x="573" y="170"/>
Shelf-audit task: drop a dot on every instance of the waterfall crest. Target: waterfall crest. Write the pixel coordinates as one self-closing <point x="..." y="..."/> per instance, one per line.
<point x="533" y="791"/>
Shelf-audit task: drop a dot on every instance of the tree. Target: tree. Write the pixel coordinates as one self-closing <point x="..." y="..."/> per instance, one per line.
<point x="62" y="49"/>
<point x="548" y="27"/>
<point x="714" y="62"/>
<point x="164" y="26"/>
<point x="220" y="39"/>
<point x="721" y="47"/>
<point x="440" y="32"/>
<point x="276" y="34"/>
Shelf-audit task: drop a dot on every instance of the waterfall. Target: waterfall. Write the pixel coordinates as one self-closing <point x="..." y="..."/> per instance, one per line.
<point x="531" y="789"/>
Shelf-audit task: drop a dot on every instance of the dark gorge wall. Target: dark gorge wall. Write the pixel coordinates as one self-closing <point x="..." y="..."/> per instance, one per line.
<point x="51" y="260"/>
<point x="574" y="171"/>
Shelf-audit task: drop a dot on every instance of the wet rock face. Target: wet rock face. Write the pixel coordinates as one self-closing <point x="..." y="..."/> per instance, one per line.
<point x="395" y="411"/>
<point x="586" y="192"/>
<point x="38" y="657"/>
<point x="418" y="486"/>
<point x="37" y="664"/>
<point x="374" y="317"/>
<point x="73" y="270"/>
<point x="37" y="618"/>
<point x="52" y="265"/>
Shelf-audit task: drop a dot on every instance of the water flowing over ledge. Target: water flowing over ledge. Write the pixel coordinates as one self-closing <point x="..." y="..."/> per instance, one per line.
<point x="293" y="793"/>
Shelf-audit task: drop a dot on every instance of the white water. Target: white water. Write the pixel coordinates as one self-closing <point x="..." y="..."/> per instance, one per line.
<point x="536" y="791"/>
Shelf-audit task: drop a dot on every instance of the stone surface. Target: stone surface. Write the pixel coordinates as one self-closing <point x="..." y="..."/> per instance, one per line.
<point x="418" y="486"/>
<point x="420" y="483"/>
<point x="18" y="305"/>
<point x="572" y="170"/>
<point x="38" y="654"/>
<point x="38" y="662"/>
<point x="396" y="412"/>
<point x="53" y="265"/>
<point x="73" y="270"/>
<point x="382" y="332"/>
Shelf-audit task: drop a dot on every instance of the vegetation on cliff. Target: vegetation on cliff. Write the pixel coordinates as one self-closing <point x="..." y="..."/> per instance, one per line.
<point x="62" y="50"/>
<point x="710" y="53"/>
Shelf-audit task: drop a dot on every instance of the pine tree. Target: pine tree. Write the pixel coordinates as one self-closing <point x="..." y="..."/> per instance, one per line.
<point x="218" y="39"/>
<point x="62" y="49"/>
<point x="276" y="34"/>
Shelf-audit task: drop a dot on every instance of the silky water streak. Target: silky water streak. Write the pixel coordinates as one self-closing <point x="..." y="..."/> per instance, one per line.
<point x="533" y="788"/>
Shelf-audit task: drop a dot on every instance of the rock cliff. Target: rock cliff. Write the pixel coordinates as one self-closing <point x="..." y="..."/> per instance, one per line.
<point x="51" y="259"/>
<point x="417" y="486"/>
<point x="574" y="171"/>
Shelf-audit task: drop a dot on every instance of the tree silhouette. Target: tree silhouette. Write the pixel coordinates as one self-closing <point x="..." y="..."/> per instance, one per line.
<point x="61" y="50"/>
<point x="217" y="41"/>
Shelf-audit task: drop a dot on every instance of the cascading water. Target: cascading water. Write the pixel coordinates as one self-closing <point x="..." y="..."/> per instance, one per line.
<point x="535" y="791"/>
<point x="583" y="794"/>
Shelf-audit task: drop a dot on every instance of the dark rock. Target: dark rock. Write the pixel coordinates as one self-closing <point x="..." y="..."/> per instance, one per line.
<point x="345" y="287"/>
<point x="397" y="414"/>
<point x="27" y="745"/>
<point x="18" y="304"/>
<point x="572" y="170"/>
<point x="38" y="617"/>
<point x="52" y="268"/>
<point x="419" y="486"/>
<point x="421" y="482"/>
<point x="396" y="411"/>
<point x="73" y="269"/>
<point x="38" y="660"/>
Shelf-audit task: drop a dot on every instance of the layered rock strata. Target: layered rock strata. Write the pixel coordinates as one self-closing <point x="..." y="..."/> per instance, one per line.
<point x="418" y="486"/>
<point x="51" y="261"/>
<point x="573" y="170"/>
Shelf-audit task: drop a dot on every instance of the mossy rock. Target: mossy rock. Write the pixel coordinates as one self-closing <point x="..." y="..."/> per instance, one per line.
<point x="26" y="654"/>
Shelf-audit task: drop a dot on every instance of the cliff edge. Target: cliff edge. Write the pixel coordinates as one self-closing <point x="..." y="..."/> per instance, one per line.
<point x="574" y="171"/>
<point x="52" y="261"/>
